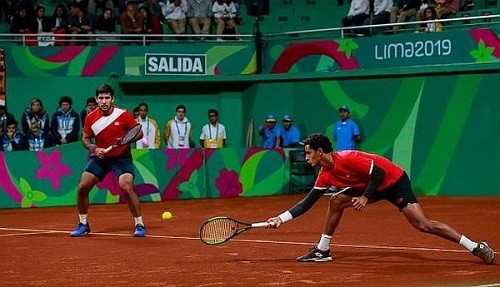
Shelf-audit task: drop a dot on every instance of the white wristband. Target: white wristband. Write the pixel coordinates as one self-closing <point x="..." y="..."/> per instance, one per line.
<point x="285" y="216"/>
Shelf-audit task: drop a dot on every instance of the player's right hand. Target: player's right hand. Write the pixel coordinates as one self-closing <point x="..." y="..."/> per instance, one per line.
<point x="274" y="222"/>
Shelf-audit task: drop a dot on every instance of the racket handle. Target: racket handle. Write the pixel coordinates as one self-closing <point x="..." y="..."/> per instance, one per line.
<point x="108" y="149"/>
<point x="260" y="224"/>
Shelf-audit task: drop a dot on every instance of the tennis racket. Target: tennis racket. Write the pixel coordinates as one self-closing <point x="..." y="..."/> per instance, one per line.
<point x="218" y="230"/>
<point x="127" y="138"/>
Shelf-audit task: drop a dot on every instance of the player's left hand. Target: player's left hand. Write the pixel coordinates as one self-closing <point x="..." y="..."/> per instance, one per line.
<point x="358" y="203"/>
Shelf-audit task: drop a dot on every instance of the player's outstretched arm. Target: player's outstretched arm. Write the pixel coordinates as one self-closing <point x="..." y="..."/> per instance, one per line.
<point x="298" y="209"/>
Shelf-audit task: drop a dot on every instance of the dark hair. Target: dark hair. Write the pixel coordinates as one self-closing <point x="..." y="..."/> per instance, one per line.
<point x="143" y="105"/>
<point x="91" y="100"/>
<point x="433" y="13"/>
<point x="12" y="122"/>
<point x="317" y="140"/>
<point x="136" y="110"/>
<point x="66" y="99"/>
<point x="213" y="111"/>
<point x="104" y="89"/>
<point x="180" y="107"/>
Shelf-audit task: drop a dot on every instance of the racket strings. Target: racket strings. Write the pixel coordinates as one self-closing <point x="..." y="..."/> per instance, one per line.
<point x="130" y="135"/>
<point x="218" y="231"/>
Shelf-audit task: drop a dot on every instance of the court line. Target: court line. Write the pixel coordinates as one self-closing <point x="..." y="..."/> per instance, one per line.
<point x="30" y="231"/>
<point x="487" y="285"/>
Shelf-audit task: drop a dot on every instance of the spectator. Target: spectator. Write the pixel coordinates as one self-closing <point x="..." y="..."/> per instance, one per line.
<point x="90" y="105"/>
<point x="199" y="14"/>
<point x="430" y="14"/>
<point x="131" y="24"/>
<point x="290" y="133"/>
<point x="105" y="24"/>
<point x="154" y="8"/>
<point x="150" y="25"/>
<point x="346" y="131"/>
<point x="36" y="139"/>
<point x="446" y="8"/>
<point x="35" y="114"/>
<point x="381" y="14"/>
<point x="402" y="11"/>
<point x="41" y="23"/>
<point x="224" y="12"/>
<point x="21" y="23"/>
<point x="65" y="123"/>
<point x="213" y="134"/>
<point x="79" y="24"/>
<point x="358" y="13"/>
<point x="99" y="4"/>
<point x="13" y="138"/>
<point x="151" y="133"/>
<point x="5" y="117"/>
<point x="175" y="14"/>
<point x="136" y="112"/>
<point x="270" y="133"/>
<point x="59" y="23"/>
<point x="178" y="130"/>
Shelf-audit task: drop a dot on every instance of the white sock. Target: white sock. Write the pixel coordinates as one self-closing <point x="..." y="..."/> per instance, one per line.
<point x="83" y="218"/>
<point x="138" y="220"/>
<point x="467" y="243"/>
<point x="324" y="242"/>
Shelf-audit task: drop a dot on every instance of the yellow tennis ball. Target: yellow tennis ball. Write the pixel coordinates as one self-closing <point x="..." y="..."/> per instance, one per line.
<point x="166" y="215"/>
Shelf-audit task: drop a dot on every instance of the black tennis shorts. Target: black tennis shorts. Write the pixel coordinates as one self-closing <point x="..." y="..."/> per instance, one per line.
<point x="400" y="194"/>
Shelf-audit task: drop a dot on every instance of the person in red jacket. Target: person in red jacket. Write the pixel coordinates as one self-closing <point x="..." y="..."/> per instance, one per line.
<point x="364" y="178"/>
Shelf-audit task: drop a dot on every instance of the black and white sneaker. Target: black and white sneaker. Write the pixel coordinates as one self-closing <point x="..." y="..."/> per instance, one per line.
<point x="316" y="255"/>
<point x="484" y="252"/>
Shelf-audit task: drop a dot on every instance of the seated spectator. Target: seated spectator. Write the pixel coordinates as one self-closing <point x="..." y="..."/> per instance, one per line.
<point x="99" y="4"/>
<point x="155" y="9"/>
<point x="21" y="24"/>
<point x="403" y="11"/>
<point x="90" y="105"/>
<point x="79" y="24"/>
<point x="444" y="9"/>
<point x="5" y="117"/>
<point x="224" y="12"/>
<point x="41" y="26"/>
<point x="65" y="125"/>
<point x="35" y="113"/>
<point x="358" y="13"/>
<point x="17" y="5"/>
<point x="430" y="14"/>
<point x="59" y="23"/>
<point x="105" y="24"/>
<point x="381" y="14"/>
<point x="41" y="23"/>
<point x="36" y="139"/>
<point x="151" y="25"/>
<point x="175" y="14"/>
<point x="199" y="14"/>
<point x="13" y="138"/>
<point x="131" y="24"/>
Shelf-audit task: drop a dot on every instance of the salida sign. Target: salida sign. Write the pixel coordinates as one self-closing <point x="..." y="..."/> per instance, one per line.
<point x="175" y="64"/>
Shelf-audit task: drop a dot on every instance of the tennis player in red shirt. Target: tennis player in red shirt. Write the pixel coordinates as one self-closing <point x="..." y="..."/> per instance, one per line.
<point x="369" y="178"/>
<point x="101" y="129"/>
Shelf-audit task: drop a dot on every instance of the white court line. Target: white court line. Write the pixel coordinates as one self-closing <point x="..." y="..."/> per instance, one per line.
<point x="28" y="233"/>
<point x="487" y="285"/>
<point x="365" y="246"/>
